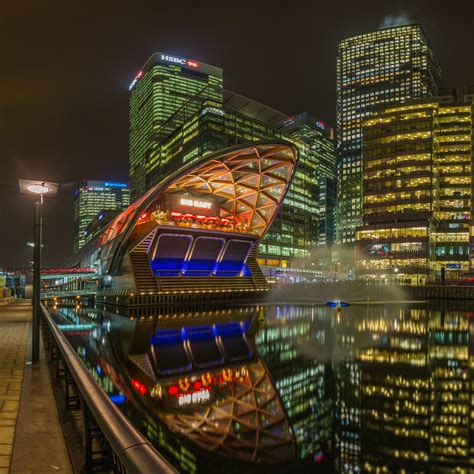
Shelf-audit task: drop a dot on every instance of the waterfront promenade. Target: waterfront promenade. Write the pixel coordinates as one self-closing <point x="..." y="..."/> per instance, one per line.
<point x="31" y="438"/>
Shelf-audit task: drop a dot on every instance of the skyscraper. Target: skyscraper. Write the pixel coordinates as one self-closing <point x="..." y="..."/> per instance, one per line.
<point x="320" y="139"/>
<point x="166" y="92"/>
<point x="90" y="199"/>
<point x="389" y="65"/>
<point x="417" y="188"/>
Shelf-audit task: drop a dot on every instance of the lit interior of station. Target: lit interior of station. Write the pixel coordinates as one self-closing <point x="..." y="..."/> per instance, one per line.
<point x="199" y="228"/>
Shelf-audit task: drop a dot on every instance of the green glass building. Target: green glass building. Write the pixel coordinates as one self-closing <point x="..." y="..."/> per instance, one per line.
<point x="320" y="139"/>
<point x="164" y="94"/>
<point x="309" y="204"/>
<point x="90" y="199"/>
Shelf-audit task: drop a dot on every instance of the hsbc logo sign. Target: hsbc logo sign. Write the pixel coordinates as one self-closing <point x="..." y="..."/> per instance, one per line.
<point x="176" y="60"/>
<point x="173" y="59"/>
<point x="168" y="59"/>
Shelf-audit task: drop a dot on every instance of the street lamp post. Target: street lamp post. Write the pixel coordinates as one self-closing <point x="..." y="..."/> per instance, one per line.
<point x="39" y="188"/>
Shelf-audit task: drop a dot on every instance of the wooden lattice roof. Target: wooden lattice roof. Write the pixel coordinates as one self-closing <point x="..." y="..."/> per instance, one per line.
<point x="252" y="182"/>
<point x="245" y="421"/>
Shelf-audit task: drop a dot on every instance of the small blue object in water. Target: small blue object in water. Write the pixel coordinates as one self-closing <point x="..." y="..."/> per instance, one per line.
<point x="337" y="304"/>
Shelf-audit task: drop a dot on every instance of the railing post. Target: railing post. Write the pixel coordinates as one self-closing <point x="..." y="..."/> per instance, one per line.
<point x="98" y="452"/>
<point x="72" y="400"/>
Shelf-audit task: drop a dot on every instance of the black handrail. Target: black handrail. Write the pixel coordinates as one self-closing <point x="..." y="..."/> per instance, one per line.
<point x="129" y="447"/>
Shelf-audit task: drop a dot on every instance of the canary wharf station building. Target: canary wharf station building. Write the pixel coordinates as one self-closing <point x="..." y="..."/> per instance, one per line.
<point x="196" y="231"/>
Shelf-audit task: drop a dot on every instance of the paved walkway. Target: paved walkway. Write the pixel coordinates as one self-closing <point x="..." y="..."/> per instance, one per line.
<point x="14" y="326"/>
<point x="31" y="438"/>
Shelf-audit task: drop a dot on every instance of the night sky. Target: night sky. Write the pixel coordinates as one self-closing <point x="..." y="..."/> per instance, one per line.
<point x="66" y="67"/>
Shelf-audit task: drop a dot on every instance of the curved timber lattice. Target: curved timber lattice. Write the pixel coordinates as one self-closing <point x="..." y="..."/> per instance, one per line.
<point x="252" y="182"/>
<point x="245" y="421"/>
<point x="244" y="185"/>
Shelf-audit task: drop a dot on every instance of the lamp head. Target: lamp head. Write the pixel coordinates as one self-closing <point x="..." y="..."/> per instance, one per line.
<point x="45" y="188"/>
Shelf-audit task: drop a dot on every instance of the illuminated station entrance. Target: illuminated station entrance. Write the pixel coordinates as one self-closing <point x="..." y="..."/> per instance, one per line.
<point x="198" y="230"/>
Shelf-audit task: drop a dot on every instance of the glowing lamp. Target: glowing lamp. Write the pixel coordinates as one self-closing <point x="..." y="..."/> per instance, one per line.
<point x="38" y="187"/>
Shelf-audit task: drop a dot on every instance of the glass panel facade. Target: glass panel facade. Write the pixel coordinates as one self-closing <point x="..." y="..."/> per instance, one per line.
<point x="390" y="65"/>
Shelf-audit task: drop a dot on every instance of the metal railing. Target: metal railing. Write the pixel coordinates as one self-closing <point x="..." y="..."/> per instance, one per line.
<point x="113" y="443"/>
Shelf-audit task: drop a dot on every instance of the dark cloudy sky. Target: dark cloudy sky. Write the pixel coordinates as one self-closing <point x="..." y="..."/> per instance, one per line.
<point x="66" y="66"/>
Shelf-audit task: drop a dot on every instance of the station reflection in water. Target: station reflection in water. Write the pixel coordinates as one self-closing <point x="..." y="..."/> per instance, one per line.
<point x="377" y="389"/>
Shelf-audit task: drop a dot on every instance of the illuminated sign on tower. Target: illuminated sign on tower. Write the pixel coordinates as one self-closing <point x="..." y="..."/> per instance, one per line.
<point x="176" y="60"/>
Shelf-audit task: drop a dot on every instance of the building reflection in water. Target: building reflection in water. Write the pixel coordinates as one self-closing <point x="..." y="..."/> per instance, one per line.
<point x="379" y="389"/>
<point x="295" y="345"/>
<point x="411" y="409"/>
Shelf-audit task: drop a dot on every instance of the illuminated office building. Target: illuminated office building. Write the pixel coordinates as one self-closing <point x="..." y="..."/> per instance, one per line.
<point x="399" y="194"/>
<point x="320" y="139"/>
<point x="417" y="190"/>
<point x="389" y="65"/>
<point x="295" y="230"/>
<point x="164" y="94"/>
<point x="306" y="218"/>
<point x="395" y="392"/>
<point x="454" y="153"/>
<point x="90" y="199"/>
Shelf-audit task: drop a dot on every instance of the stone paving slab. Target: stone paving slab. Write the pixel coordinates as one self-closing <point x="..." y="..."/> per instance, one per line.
<point x="15" y="319"/>
<point x="31" y="437"/>
<point x="39" y="445"/>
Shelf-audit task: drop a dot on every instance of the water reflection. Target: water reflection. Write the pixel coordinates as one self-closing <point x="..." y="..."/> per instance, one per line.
<point x="373" y="389"/>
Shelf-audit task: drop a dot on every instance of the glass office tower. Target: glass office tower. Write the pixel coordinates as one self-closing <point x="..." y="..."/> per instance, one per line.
<point x="417" y="188"/>
<point x="309" y="204"/>
<point x="164" y="94"/>
<point x="90" y="199"/>
<point x="390" y="65"/>
<point x="320" y="138"/>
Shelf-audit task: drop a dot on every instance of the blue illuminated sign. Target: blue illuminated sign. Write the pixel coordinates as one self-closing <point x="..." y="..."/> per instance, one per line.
<point x="115" y="185"/>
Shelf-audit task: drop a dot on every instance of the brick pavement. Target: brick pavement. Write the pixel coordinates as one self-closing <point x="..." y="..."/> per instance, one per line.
<point x="15" y="319"/>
